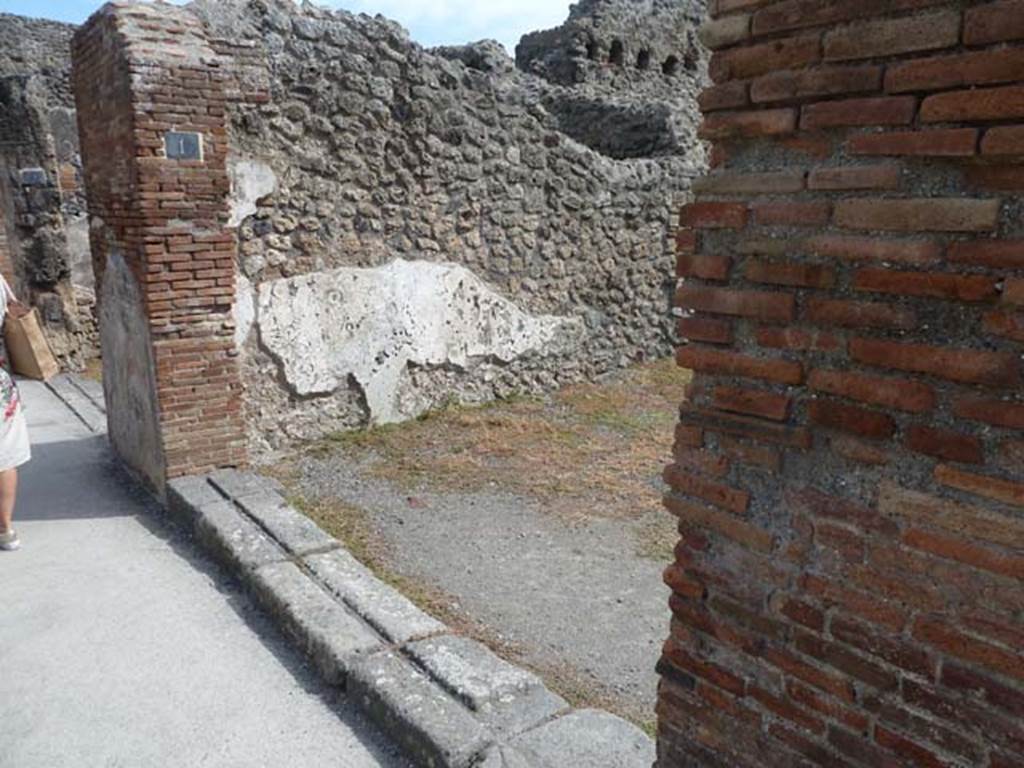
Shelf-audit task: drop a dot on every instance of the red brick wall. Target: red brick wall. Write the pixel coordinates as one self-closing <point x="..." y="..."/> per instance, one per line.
<point x="141" y="71"/>
<point x="849" y="464"/>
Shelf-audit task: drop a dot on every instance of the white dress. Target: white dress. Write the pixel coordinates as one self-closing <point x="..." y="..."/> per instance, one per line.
<point x="14" y="445"/>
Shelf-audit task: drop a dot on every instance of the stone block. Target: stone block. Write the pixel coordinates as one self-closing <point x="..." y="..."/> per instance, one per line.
<point x="233" y="539"/>
<point x="292" y="529"/>
<point x="92" y="389"/>
<point x="504" y="757"/>
<point x="587" y="738"/>
<point x="433" y="727"/>
<point x="507" y="698"/>
<point x="186" y="496"/>
<point x="327" y="632"/>
<point x="238" y="485"/>
<point x="390" y="612"/>
<point x="85" y="408"/>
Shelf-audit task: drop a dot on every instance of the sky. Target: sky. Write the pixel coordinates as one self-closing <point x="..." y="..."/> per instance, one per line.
<point x="431" y="22"/>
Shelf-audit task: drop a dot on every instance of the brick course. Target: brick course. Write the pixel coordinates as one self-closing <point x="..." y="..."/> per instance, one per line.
<point x="847" y="588"/>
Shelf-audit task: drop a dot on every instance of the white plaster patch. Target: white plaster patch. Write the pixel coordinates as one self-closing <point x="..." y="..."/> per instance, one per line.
<point x="245" y="311"/>
<point x="250" y="181"/>
<point x="372" y="323"/>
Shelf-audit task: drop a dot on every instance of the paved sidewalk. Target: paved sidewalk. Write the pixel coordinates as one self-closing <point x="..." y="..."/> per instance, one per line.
<point x="120" y="646"/>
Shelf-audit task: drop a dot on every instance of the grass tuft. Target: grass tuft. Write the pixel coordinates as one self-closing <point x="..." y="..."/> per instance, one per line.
<point x="590" y="450"/>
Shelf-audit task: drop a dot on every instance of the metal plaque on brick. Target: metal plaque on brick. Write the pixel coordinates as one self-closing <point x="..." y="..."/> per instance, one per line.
<point x="33" y="177"/>
<point x="183" y="146"/>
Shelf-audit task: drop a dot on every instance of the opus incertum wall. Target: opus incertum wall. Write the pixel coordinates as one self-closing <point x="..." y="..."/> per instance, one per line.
<point x="849" y="464"/>
<point x="42" y="203"/>
<point x="151" y="108"/>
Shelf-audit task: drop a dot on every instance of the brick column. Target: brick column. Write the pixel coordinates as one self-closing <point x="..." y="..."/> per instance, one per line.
<point x="151" y="113"/>
<point x="849" y="466"/>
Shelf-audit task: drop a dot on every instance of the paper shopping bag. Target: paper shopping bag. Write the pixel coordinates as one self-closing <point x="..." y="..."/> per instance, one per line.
<point x="28" y="348"/>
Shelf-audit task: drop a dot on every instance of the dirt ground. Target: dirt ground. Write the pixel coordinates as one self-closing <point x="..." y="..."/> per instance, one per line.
<point x="532" y="524"/>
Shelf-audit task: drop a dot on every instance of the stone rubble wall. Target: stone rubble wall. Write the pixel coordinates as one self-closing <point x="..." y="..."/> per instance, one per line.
<point x="44" y="215"/>
<point x="615" y="60"/>
<point x="849" y="467"/>
<point x="356" y="152"/>
<point x="353" y="148"/>
<point x="6" y="268"/>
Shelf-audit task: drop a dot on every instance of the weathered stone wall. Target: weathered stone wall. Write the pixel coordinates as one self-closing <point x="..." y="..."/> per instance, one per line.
<point x="419" y="226"/>
<point x="631" y="71"/>
<point x="849" y="467"/>
<point x="5" y="252"/>
<point x="40" y="171"/>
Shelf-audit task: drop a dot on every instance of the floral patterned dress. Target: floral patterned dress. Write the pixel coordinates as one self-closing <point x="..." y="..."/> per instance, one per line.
<point x="14" y="444"/>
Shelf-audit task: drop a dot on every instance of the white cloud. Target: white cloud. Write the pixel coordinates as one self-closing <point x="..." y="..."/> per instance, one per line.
<point x="462" y="21"/>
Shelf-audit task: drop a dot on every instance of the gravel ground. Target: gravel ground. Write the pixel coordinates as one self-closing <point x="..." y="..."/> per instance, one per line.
<point x="568" y="594"/>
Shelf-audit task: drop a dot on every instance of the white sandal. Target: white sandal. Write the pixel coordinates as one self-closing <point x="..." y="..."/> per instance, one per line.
<point x="9" y="541"/>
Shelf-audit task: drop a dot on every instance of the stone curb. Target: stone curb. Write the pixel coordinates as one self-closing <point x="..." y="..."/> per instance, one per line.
<point x="447" y="700"/>
<point x="83" y="397"/>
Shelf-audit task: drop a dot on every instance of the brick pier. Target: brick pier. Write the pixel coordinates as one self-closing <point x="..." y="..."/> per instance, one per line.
<point x="151" y="109"/>
<point x="849" y="464"/>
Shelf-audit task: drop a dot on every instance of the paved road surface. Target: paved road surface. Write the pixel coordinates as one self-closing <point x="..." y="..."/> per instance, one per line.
<point x="121" y="647"/>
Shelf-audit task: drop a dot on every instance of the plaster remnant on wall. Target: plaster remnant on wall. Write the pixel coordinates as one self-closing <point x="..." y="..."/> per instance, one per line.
<point x="372" y="324"/>
<point x="245" y="311"/>
<point x="129" y="373"/>
<point x="251" y="180"/>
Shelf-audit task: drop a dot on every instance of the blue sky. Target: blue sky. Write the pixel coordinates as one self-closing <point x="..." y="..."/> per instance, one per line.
<point x="431" y="22"/>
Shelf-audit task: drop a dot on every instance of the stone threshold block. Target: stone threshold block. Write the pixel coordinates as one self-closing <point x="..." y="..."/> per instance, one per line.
<point x="447" y="700"/>
<point x="419" y="715"/>
<point x="327" y="633"/>
<point x="587" y="738"/>
<point x="389" y="611"/>
<point x="81" y="397"/>
<point x="509" y="699"/>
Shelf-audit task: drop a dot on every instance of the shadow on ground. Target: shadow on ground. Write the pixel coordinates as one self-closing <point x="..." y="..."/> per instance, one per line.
<point x="106" y="585"/>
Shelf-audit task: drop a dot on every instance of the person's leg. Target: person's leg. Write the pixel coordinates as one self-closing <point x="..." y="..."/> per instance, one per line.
<point x="8" y="494"/>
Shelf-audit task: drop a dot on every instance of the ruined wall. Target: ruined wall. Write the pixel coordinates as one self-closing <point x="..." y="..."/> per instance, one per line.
<point x="418" y="227"/>
<point x="849" y="467"/>
<point x="40" y="170"/>
<point x="631" y="70"/>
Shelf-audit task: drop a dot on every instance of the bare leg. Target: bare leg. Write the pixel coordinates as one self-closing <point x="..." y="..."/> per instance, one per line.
<point x="8" y="493"/>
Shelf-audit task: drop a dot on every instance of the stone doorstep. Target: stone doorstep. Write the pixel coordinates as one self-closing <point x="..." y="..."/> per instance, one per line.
<point x="389" y="611"/>
<point x="234" y="539"/>
<point x="506" y="698"/>
<point x="449" y="701"/>
<point x="326" y="632"/>
<point x="79" y="396"/>
<point x="236" y="484"/>
<point x="434" y="728"/>
<point x="186" y="496"/>
<point x="585" y="738"/>
<point x="294" y="531"/>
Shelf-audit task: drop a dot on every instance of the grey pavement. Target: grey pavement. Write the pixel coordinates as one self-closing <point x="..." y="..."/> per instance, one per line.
<point x="121" y="646"/>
